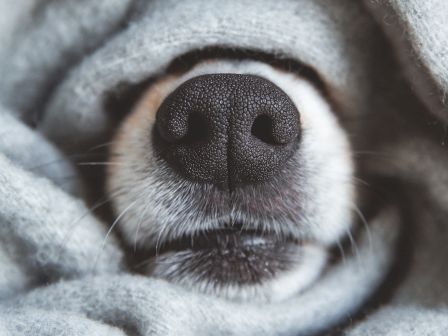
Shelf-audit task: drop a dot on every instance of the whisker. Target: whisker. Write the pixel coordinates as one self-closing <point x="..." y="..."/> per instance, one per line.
<point x="341" y="251"/>
<point x="48" y="163"/>
<point x="158" y="240"/>
<point x="99" y="163"/>
<point x="365" y="224"/>
<point x="140" y="221"/>
<point x="102" y="201"/>
<point x="103" y="244"/>
<point x="361" y="181"/>
<point x="103" y="145"/>
<point x="66" y="157"/>
<point x="143" y="263"/>
<point x="353" y="244"/>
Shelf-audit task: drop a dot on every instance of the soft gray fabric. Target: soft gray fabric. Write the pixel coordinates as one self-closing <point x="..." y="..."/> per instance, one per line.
<point x="418" y="30"/>
<point x="62" y="272"/>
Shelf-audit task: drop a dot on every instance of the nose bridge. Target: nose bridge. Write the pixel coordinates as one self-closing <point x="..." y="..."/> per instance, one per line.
<point x="220" y="111"/>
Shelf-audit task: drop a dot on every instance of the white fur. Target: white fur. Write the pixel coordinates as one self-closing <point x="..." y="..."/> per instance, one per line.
<point x="160" y="201"/>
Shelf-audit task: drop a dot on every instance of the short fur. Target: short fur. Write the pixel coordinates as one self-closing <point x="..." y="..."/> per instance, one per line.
<point x="310" y="200"/>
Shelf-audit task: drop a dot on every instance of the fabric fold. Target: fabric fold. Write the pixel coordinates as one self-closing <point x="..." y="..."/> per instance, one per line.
<point x="155" y="307"/>
<point x="147" y="46"/>
<point x="47" y="233"/>
<point x="418" y="31"/>
<point x="63" y="270"/>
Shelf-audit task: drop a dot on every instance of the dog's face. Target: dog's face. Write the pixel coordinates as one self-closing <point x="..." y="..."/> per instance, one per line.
<point x="235" y="177"/>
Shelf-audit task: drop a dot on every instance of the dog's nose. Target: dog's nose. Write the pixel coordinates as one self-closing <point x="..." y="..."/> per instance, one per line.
<point x="227" y="129"/>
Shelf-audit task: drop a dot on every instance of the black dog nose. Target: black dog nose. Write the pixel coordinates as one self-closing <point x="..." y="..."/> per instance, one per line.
<point x="227" y="129"/>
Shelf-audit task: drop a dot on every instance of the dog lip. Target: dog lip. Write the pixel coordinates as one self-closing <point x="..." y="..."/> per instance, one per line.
<point x="225" y="239"/>
<point x="226" y="256"/>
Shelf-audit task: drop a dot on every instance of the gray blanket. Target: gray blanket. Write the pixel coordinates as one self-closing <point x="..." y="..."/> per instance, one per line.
<point x="62" y="272"/>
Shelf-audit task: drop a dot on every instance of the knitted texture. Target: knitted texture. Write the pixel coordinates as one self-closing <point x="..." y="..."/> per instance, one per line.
<point x="63" y="273"/>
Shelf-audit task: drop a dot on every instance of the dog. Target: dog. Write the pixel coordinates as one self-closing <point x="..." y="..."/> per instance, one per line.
<point x="234" y="178"/>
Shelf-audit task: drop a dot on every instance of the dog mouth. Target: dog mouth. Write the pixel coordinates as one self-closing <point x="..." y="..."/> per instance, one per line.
<point x="231" y="255"/>
<point x="235" y="262"/>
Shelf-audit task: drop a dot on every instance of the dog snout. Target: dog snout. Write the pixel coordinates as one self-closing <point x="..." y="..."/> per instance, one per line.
<point x="227" y="129"/>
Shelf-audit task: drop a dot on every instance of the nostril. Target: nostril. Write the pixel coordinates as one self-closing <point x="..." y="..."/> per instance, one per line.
<point x="262" y="128"/>
<point x="227" y="129"/>
<point x="197" y="129"/>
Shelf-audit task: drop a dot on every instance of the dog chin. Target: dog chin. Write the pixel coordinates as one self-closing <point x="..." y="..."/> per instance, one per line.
<point x="262" y="242"/>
